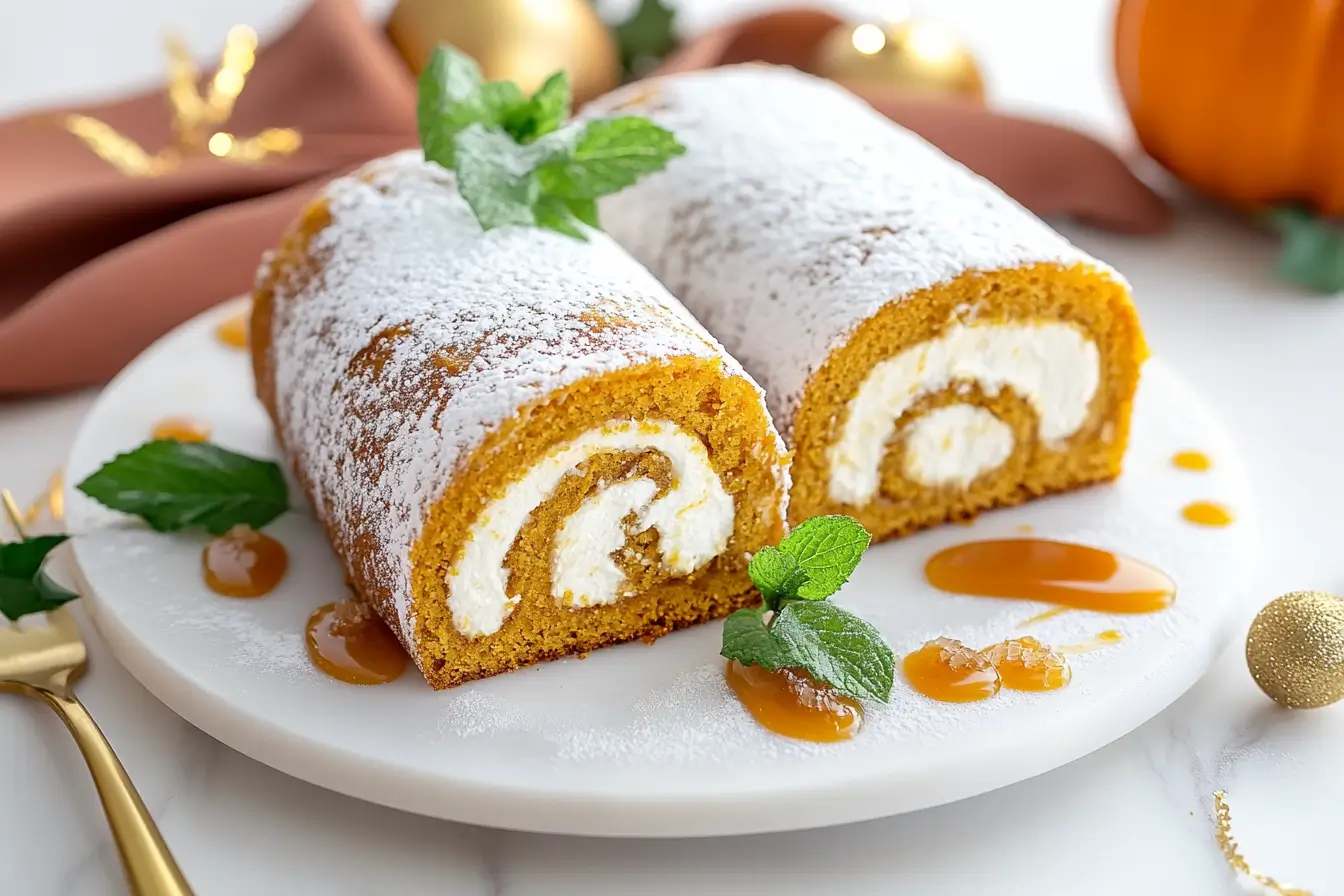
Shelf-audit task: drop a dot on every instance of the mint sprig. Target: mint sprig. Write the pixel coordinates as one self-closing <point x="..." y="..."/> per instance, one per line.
<point x="25" y="587"/>
<point x="516" y="159"/>
<point x="175" y="485"/>
<point x="1313" y="249"/>
<point x="646" y="37"/>
<point x="796" y="628"/>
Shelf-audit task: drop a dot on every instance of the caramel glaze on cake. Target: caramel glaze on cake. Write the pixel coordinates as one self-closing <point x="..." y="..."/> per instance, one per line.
<point x="425" y="379"/>
<point x="929" y="348"/>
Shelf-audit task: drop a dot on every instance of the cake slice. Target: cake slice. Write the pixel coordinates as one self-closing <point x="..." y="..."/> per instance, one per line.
<point x="929" y="348"/>
<point x="519" y="444"/>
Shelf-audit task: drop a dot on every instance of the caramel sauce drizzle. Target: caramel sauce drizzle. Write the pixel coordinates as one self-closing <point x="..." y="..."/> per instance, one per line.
<point x="791" y="703"/>
<point x="244" y="563"/>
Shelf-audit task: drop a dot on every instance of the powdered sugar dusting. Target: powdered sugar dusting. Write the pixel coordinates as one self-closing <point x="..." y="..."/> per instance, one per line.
<point x="799" y="205"/>
<point x="420" y="334"/>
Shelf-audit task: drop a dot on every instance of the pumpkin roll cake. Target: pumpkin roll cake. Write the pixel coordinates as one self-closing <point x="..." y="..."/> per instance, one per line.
<point x="519" y="444"/>
<point x="929" y="348"/>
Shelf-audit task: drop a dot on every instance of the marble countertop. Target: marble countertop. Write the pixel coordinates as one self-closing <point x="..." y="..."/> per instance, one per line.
<point x="1135" y="817"/>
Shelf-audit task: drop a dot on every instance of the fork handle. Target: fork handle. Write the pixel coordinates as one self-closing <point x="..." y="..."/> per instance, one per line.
<point x="150" y="868"/>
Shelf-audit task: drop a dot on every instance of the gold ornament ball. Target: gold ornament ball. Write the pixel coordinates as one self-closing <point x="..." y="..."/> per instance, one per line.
<point x="912" y="54"/>
<point x="1295" y="649"/>
<point x="513" y="40"/>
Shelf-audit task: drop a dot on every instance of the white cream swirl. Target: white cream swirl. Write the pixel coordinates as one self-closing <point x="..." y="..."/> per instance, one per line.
<point x="1054" y="366"/>
<point x="694" y="520"/>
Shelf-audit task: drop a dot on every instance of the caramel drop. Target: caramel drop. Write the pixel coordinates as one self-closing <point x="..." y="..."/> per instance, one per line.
<point x="181" y="429"/>
<point x="951" y="672"/>
<point x="244" y="563"/>
<point x="1207" y="513"/>
<point x="1192" y="460"/>
<point x="1025" y="664"/>
<point x="348" y="641"/>
<point x="232" y="331"/>
<point x="789" y="702"/>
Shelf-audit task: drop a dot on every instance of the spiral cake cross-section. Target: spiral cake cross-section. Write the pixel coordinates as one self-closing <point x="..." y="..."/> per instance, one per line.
<point x="929" y="348"/>
<point x="519" y="444"/>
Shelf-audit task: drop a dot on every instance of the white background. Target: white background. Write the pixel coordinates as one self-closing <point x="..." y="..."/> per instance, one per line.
<point x="1133" y="818"/>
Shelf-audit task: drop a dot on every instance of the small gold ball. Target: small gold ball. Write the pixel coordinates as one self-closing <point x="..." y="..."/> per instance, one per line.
<point x="911" y="54"/>
<point x="1295" y="649"/>
<point x="525" y="41"/>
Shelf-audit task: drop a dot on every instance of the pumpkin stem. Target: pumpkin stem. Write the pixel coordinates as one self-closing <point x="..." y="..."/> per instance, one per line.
<point x="1313" y="249"/>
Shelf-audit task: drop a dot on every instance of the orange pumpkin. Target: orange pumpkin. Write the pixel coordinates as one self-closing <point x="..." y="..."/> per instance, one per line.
<point x="1243" y="99"/>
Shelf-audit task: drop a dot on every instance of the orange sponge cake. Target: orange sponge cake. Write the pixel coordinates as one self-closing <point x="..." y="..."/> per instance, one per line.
<point x="929" y="348"/>
<point x="520" y="445"/>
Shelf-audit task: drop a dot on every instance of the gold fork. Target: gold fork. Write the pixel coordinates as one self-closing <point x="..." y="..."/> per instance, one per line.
<point x="45" y="662"/>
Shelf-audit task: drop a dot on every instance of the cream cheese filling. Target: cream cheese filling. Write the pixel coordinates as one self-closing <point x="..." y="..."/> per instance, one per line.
<point x="1054" y="366"/>
<point x="694" y="520"/>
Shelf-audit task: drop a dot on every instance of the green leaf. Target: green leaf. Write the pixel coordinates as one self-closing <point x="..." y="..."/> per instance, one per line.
<point x="548" y="109"/>
<point x="454" y="95"/>
<point x="586" y="211"/>
<point x="827" y="549"/>
<point x="496" y="177"/>
<point x="836" y="647"/>
<point x="747" y="639"/>
<point x="776" y="575"/>
<point x="446" y="82"/>
<point x="609" y="155"/>
<point x="555" y="214"/>
<point x="516" y="163"/>
<point x="24" y="587"/>
<point x="646" y="37"/>
<point x="190" y="485"/>
<point x="1313" y="250"/>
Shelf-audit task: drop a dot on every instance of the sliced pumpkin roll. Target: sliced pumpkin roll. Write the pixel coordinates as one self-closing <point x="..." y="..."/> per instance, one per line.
<point x="519" y="444"/>
<point x="929" y="348"/>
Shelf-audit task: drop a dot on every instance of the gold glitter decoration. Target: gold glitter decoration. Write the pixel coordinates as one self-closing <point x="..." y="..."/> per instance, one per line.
<point x="1295" y="649"/>
<point x="1232" y="852"/>
<point x="196" y="118"/>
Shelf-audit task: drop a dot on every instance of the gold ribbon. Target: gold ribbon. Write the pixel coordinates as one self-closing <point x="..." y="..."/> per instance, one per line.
<point x="196" y="118"/>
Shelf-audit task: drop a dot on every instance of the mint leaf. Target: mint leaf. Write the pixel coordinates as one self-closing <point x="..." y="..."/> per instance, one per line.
<point x="609" y="155"/>
<point x="495" y="176"/>
<point x="449" y="79"/>
<point x="585" y="210"/>
<point x="454" y="95"/>
<point x="1313" y="250"/>
<point x="516" y="162"/>
<point x="555" y="214"/>
<point x="827" y="549"/>
<point x="747" y="639"/>
<point x="836" y="647"/>
<point x="24" y="587"/>
<point x="646" y="37"/>
<point x="190" y="485"/>
<point x="776" y="575"/>
<point x="548" y="109"/>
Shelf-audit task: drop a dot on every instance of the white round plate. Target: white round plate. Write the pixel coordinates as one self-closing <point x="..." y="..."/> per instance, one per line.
<point x="642" y="740"/>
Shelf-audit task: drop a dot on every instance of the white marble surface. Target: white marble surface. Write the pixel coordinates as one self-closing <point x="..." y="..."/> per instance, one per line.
<point x="1132" y="818"/>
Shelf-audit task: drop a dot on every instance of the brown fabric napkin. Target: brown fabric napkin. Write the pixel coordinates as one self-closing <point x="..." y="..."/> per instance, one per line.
<point x="1053" y="170"/>
<point x="96" y="264"/>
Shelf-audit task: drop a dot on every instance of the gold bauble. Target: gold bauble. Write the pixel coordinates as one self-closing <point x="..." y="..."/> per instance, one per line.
<point x="1295" y="649"/>
<point x="911" y="54"/>
<point x="513" y="40"/>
